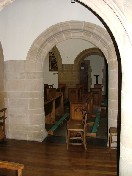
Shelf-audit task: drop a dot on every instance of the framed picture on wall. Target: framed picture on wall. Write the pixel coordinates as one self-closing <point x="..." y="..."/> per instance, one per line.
<point x="52" y="62"/>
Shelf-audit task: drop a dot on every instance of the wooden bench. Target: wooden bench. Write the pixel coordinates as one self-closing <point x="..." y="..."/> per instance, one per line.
<point x="95" y="125"/>
<point x="97" y="96"/>
<point x="54" y="108"/>
<point x="58" y="123"/>
<point x="73" y="94"/>
<point x="12" y="166"/>
<point x="62" y="88"/>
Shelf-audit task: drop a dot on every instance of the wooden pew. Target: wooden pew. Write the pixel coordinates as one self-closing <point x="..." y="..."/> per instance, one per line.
<point x="73" y="94"/>
<point x="98" y="86"/>
<point x="97" y="96"/>
<point x="62" y="88"/>
<point x="93" y="126"/>
<point x="47" y="86"/>
<point x="80" y="90"/>
<point x="51" y="93"/>
<point x="76" y="94"/>
<point x="59" y="104"/>
<point x="12" y="166"/>
<point x="49" y="107"/>
<point x="54" y="106"/>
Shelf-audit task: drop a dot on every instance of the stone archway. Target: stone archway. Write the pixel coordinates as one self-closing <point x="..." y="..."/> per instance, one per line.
<point x="24" y="79"/>
<point x="85" y="31"/>
<point x="86" y="53"/>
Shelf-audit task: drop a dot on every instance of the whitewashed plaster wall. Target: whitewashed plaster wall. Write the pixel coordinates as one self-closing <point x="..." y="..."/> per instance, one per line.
<point x="69" y="49"/>
<point x="24" y="20"/>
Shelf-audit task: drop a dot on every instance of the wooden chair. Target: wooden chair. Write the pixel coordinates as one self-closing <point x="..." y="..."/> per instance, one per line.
<point x="88" y="98"/>
<point x="112" y="137"/>
<point x="76" y="126"/>
<point x="2" y="123"/>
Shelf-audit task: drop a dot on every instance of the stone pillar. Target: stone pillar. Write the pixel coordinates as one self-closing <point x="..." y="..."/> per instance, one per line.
<point x="126" y="114"/>
<point x="1" y="78"/>
<point x="25" y="100"/>
<point x="104" y="79"/>
<point x="89" y="77"/>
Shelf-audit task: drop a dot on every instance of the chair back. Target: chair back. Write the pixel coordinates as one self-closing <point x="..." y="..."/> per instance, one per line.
<point x="84" y="117"/>
<point x="77" y="110"/>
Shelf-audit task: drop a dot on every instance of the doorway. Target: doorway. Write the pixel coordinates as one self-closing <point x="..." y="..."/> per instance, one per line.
<point x="84" y="75"/>
<point x="84" y="69"/>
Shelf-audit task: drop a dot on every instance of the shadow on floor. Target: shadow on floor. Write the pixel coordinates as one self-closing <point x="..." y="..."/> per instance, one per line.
<point x="100" y="140"/>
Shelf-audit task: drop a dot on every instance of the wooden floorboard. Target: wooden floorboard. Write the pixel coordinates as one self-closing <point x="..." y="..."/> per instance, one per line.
<point x="49" y="159"/>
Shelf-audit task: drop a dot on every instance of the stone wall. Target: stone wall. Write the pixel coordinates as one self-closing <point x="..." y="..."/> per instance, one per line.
<point x="69" y="75"/>
<point x="24" y="101"/>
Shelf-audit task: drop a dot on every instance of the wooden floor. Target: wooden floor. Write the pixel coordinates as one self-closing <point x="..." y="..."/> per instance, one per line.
<point x="43" y="159"/>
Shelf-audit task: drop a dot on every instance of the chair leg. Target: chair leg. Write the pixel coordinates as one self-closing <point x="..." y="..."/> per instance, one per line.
<point x="110" y="141"/>
<point x="67" y="138"/>
<point x="85" y="142"/>
<point x="19" y="172"/>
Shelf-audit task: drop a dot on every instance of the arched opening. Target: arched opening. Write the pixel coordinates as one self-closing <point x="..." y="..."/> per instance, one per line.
<point x="92" y="52"/>
<point x="89" y="32"/>
<point x="93" y="60"/>
<point x="118" y="27"/>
